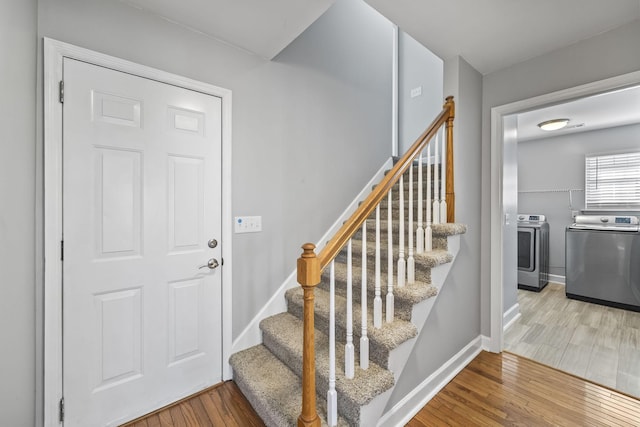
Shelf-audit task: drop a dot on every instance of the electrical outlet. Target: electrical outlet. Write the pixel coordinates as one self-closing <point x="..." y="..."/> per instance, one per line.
<point x="247" y="224"/>
<point x="416" y="91"/>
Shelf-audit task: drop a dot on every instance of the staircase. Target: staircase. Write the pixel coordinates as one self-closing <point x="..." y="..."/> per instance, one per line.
<point x="311" y="350"/>
<point x="269" y="374"/>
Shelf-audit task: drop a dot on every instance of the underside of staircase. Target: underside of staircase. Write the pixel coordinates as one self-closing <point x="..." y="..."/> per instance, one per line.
<point x="269" y="374"/>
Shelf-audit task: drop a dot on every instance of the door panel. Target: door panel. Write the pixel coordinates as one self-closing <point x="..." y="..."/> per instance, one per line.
<point x="141" y="198"/>
<point x="118" y="202"/>
<point x="185" y="205"/>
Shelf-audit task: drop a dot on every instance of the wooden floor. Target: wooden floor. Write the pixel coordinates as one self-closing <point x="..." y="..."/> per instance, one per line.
<point x="221" y="405"/>
<point x="493" y="390"/>
<point x="592" y="341"/>
<point x="499" y="390"/>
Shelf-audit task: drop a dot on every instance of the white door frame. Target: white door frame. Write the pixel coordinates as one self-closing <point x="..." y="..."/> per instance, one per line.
<point x="54" y="52"/>
<point x="498" y="178"/>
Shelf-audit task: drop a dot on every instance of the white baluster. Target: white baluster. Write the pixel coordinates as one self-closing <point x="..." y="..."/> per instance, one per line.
<point x="443" y="193"/>
<point x="411" y="263"/>
<point x="377" y="300"/>
<point x="389" y="309"/>
<point x="436" y="186"/>
<point x="420" y="230"/>
<point x="428" y="240"/>
<point x="402" y="264"/>
<point x="349" y="359"/>
<point x="364" y="339"/>
<point x="332" y="396"/>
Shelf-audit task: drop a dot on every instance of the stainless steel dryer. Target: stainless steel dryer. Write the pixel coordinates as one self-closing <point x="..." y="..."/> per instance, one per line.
<point x="533" y="252"/>
<point x="603" y="260"/>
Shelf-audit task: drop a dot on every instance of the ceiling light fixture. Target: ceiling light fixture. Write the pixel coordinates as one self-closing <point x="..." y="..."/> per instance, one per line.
<point x="554" y="124"/>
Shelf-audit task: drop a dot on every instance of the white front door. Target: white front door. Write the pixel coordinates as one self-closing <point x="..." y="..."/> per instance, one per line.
<point x="141" y="203"/>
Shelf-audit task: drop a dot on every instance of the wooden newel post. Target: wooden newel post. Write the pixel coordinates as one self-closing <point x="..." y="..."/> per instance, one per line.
<point x="308" y="277"/>
<point x="450" y="194"/>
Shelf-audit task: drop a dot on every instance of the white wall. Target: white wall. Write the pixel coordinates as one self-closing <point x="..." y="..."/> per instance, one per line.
<point x="510" y="212"/>
<point x="607" y="55"/>
<point x="562" y="160"/>
<point x="17" y="207"/>
<point x="417" y="68"/>
<point x="455" y="319"/>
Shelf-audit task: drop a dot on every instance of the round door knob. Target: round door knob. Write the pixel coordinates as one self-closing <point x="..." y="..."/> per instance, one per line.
<point x="211" y="264"/>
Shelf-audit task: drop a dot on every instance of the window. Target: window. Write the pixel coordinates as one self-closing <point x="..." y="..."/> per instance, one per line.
<point x="613" y="181"/>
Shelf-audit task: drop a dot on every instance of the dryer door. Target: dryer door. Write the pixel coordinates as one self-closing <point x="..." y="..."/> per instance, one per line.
<point x="526" y="249"/>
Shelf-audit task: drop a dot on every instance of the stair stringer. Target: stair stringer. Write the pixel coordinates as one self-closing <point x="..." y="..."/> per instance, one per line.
<point x="371" y="413"/>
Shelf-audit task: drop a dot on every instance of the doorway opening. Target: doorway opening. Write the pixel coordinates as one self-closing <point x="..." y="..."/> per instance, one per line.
<point x="504" y="197"/>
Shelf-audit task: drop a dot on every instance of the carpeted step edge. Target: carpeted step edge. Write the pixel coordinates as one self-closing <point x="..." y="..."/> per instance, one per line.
<point x="381" y="341"/>
<point x="404" y="297"/>
<point x="282" y="335"/>
<point x="274" y="391"/>
<point x="423" y="261"/>
<point x="437" y="242"/>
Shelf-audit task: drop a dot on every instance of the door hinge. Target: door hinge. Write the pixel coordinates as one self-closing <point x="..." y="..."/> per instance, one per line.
<point x="61" y="410"/>
<point x="61" y="91"/>
<point x="61" y="250"/>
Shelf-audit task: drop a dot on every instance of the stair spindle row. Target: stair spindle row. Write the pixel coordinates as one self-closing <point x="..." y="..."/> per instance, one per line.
<point x="405" y="273"/>
<point x="435" y="212"/>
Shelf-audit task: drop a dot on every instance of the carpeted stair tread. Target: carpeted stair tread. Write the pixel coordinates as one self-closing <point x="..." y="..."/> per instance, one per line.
<point x="423" y="261"/>
<point x="282" y="334"/>
<point x="437" y="242"/>
<point x="274" y="391"/>
<point x="437" y="230"/>
<point x="381" y="341"/>
<point x="405" y="297"/>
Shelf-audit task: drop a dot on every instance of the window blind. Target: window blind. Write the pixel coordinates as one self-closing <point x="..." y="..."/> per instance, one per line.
<point x="613" y="181"/>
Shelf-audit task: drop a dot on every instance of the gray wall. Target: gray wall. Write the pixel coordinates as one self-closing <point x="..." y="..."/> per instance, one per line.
<point x="455" y="318"/>
<point x="417" y="67"/>
<point x="310" y="129"/>
<point x="17" y="207"/>
<point x="607" y="55"/>
<point x="562" y="160"/>
<point x="323" y="102"/>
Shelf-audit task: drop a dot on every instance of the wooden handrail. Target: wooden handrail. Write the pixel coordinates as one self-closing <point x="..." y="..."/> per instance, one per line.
<point x="310" y="265"/>
<point x="352" y="225"/>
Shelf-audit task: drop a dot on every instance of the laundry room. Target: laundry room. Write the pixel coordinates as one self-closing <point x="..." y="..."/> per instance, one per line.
<point x="579" y="293"/>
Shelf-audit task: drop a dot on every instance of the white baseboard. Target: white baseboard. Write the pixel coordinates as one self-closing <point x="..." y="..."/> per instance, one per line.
<point x="555" y="278"/>
<point x="510" y="316"/>
<point x="486" y="343"/>
<point x="251" y="335"/>
<point x="417" y="398"/>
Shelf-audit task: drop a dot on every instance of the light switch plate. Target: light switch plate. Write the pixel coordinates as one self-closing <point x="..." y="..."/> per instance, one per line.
<point x="247" y="224"/>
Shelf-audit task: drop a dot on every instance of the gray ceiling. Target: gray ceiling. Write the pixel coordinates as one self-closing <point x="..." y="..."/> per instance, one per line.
<point x="262" y="27"/>
<point x="615" y="108"/>
<point x="494" y="34"/>
<point x="489" y="34"/>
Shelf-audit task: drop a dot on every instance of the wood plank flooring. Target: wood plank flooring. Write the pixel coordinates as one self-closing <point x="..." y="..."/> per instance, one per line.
<point x="221" y="405"/>
<point x="493" y="390"/>
<point x="506" y="389"/>
<point x="592" y="341"/>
